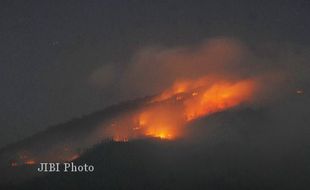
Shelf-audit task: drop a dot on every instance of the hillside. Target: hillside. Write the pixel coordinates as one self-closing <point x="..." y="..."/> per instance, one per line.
<point x="235" y="152"/>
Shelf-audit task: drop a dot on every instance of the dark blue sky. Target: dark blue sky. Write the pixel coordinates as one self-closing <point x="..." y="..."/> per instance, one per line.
<point x="49" y="48"/>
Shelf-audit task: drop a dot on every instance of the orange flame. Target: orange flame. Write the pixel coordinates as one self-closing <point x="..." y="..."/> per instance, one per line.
<point x="217" y="98"/>
<point x="74" y="157"/>
<point x="30" y="162"/>
<point x="167" y="114"/>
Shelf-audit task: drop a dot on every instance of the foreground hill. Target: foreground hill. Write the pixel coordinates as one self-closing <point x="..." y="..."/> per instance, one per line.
<point x="236" y="149"/>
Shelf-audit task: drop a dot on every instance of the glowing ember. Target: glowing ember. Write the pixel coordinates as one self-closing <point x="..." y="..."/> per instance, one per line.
<point x="194" y="93"/>
<point x="120" y="139"/>
<point x="74" y="157"/>
<point x="23" y="158"/>
<point x="167" y="114"/>
<point x="30" y="162"/>
<point x="161" y="135"/>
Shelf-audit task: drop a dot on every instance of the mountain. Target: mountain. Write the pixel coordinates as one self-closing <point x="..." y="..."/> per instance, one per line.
<point x="240" y="148"/>
<point x="59" y="142"/>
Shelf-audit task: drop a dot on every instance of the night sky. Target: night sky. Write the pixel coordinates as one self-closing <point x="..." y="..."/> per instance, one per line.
<point x="49" y="49"/>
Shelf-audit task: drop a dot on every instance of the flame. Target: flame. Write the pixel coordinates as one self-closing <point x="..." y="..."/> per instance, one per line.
<point x="74" y="157"/>
<point x="120" y="139"/>
<point x="161" y="121"/>
<point x="29" y="162"/>
<point x="62" y="153"/>
<point x="217" y="98"/>
<point x="167" y="114"/>
<point x="162" y="134"/>
<point x="23" y="158"/>
<point x="26" y="162"/>
<point x="183" y="86"/>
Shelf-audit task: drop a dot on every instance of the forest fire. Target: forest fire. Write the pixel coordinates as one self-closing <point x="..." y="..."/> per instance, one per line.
<point x="163" y="117"/>
<point x="29" y="157"/>
<point x="167" y="114"/>
<point x="23" y="158"/>
<point x="21" y="163"/>
<point x="218" y="97"/>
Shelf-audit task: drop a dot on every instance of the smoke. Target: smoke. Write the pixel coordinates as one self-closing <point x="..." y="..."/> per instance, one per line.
<point x="151" y="70"/>
<point x="267" y="76"/>
<point x="154" y="69"/>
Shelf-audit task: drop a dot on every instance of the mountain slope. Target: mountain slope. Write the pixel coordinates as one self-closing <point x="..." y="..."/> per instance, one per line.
<point x="235" y="153"/>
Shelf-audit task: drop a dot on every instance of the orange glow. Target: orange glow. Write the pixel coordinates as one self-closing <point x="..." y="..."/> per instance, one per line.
<point x="194" y="93"/>
<point x="161" y="121"/>
<point x="161" y="134"/>
<point x="23" y="158"/>
<point x="30" y="162"/>
<point x="218" y="98"/>
<point x="74" y="157"/>
<point x="185" y="86"/>
<point x="167" y="114"/>
<point x="120" y="139"/>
